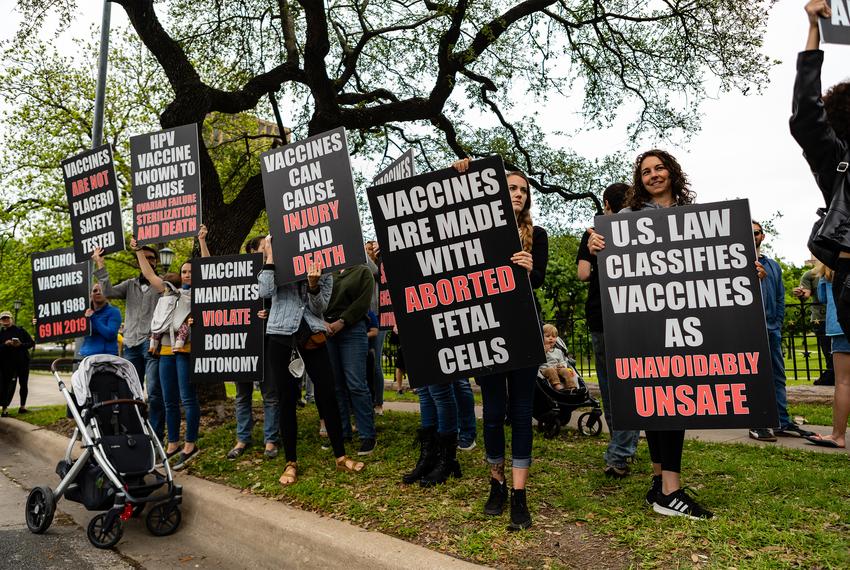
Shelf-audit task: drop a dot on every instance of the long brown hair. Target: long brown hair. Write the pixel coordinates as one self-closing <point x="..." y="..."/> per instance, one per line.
<point x="523" y="219"/>
<point x="638" y="196"/>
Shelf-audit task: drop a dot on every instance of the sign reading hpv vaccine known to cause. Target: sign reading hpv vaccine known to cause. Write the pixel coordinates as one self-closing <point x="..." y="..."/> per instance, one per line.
<point x="402" y="167"/>
<point x="93" y="202"/>
<point x="227" y="334"/>
<point x="60" y="291"/>
<point x="166" y="184"/>
<point x="311" y="205"/>
<point x="685" y="331"/>
<point x="462" y="307"/>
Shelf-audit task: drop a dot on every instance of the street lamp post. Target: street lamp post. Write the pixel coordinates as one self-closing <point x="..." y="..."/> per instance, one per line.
<point x="17" y="304"/>
<point x="166" y="256"/>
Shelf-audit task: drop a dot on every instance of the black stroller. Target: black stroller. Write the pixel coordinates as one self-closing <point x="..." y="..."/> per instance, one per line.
<point x="554" y="408"/>
<point x="116" y="471"/>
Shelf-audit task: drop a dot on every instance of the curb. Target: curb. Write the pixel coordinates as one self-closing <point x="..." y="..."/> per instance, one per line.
<point x="248" y="531"/>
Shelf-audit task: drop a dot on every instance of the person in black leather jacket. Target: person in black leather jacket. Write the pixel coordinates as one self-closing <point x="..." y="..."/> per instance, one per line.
<point x="821" y="126"/>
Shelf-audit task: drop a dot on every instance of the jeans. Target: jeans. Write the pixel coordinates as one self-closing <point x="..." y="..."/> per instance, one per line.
<point x="245" y="413"/>
<point x="467" y="428"/>
<point x="623" y="444"/>
<point x="147" y="368"/>
<point x="778" y="362"/>
<point x="174" y="372"/>
<point x="438" y="408"/>
<point x="377" y="345"/>
<point x="514" y="389"/>
<point x="347" y="351"/>
<point x="309" y="388"/>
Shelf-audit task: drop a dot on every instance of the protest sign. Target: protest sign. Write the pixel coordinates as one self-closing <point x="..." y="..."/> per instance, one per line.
<point x="311" y="206"/>
<point x="166" y="184"/>
<point x="684" y="322"/>
<point x="462" y="307"/>
<point x="227" y="335"/>
<point x="836" y="30"/>
<point x="60" y="291"/>
<point x="93" y="202"/>
<point x="402" y="167"/>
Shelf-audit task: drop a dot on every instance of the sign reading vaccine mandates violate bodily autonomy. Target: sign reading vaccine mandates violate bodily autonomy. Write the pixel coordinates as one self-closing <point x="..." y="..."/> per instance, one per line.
<point x="166" y="184"/>
<point x="311" y="206"/>
<point x="447" y="239"/>
<point x="685" y="330"/>
<point x="93" y="202"/>
<point x="402" y="167"/>
<point x="60" y="290"/>
<point x="227" y="334"/>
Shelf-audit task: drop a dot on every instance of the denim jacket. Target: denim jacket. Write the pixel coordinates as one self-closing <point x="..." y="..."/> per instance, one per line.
<point x="290" y="300"/>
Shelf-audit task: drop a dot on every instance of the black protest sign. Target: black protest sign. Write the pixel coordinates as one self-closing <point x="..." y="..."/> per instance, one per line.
<point x="311" y="206"/>
<point x="402" y="167"/>
<point x="93" y="202"/>
<point x="836" y="30"/>
<point x="60" y="291"/>
<point x="227" y="334"/>
<point x="685" y="334"/>
<point x="166" y="184"/>
<point x="463" y="309"/>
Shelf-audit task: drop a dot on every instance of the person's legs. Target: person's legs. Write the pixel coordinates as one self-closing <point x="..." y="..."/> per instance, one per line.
<point x="827" y="375"/>
<point x="623" y="443"/>
<point x="494" y="400"/>
<point x="23" y="380"/>
<point x="352" y="344"/>
<point x="778" y="362"/>
<point x="334" y="358"/>
<point x="378" y="374"/>
<point x="467" y="427"/>
<point x="244" y="413"/>
<point x="278" y="351"/>
<point x="136" y="356"/>
<point x="271" y="414"/>
<point x="170" y="390"/>
<point x="156" y="402"/>
<point x="841" y="399"/>
<point x="189" y="399"/>
<point x="316" y="363"/>
<point x="521" y="402"/>
<point x="427" y="408"/>
<point x="444" y="400"/>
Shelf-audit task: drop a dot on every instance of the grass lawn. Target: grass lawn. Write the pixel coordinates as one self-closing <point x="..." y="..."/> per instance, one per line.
<point x="775" y="508"/>
<point x="816" y="414"/>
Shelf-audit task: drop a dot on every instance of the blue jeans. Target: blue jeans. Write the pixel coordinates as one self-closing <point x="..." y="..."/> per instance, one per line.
<point x="438" y="408"/>
<point x="514" y="389"/>
<point x="147" y="367"/>
<point x="623" y="444"/>
<point x="347" y="351"/>
<point x="176" y="389"/>
<point x="377" y="344"/>
<point x="775" y="340"/>
<point x="245" y="413"/>
<point x="467" y="428"/>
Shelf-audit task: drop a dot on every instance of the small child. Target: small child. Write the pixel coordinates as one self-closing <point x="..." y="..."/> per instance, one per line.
<point x="182" y="331"/>
<point x="556" y="370"/>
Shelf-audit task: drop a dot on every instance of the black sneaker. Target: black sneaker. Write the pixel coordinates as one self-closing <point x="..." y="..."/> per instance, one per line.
<point x="680" y="504"/>
<point x="498" y="495"/>
<point x="762" y="434"/>
<point x="367" y="446"/>
<point x="793" y="430"/>
<point x="184" y="458"/>
<point x="520" y="517"/>
<point x="654" y="490"/>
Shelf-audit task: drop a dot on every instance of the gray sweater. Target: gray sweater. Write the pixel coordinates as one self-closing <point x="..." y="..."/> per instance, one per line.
<point x="141" y="300"/>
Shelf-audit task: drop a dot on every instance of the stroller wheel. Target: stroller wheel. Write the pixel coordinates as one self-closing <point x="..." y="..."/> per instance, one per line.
<point x="103" y="535"/>
<point x="552" y="429"/>
<point x="41" y="507"/>
<point x="589" y="424"/>
<point x="163" y="519"/>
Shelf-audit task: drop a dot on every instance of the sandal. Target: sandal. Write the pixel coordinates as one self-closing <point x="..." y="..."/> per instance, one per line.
<point x="346" y="464"/>
<point x="236" y="452"/>
<point x="290" y="474"/>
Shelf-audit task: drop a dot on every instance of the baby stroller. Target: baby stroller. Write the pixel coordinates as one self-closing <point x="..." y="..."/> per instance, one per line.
<point x="553" y="408"/>
<point x="116" y="470"/>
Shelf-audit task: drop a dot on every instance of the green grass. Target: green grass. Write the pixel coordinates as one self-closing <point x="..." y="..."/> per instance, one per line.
<point x="816" y="414"/>
<point x="389" y="395"/>
<point x="40" y="416"/>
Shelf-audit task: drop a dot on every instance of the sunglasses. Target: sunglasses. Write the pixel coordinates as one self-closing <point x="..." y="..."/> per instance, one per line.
<point x="757" y="233"/>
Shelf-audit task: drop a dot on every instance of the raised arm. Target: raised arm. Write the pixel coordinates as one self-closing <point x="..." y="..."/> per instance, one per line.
<point x="815" y="10"/>
<point x="102" y="275"/>
<point x="202" y="241"/>
<point x="154" y="279"/>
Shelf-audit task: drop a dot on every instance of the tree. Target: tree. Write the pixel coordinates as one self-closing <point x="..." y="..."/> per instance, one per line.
<point x="405" y="72"/>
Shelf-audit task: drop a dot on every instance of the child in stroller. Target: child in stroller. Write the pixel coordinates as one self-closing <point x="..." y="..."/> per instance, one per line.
<point x="557" y="369"/>
<point x="116" y="471"/>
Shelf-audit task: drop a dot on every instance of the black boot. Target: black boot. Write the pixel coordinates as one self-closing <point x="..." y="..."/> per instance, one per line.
<point x="498" y="495"/>
<point x="427" y="455"/>
<point x="520" y="517"/>
<point x="447" y="464"/>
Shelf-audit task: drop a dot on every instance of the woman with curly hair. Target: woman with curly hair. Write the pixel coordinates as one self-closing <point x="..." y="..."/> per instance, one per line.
<point x="666" y="185"/>
<point x="513" y="391"/>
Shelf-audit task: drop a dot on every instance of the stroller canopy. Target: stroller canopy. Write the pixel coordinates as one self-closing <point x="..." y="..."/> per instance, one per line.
<point x="104" y="363"/>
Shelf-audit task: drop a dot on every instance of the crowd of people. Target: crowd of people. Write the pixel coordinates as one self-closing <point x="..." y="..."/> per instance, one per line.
<point x="328" y="323"/>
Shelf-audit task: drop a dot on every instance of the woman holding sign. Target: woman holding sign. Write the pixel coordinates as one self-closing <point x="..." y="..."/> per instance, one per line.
<point x="659" y="182"/>
<point x="514" y="391"/>
<point x="296" y="329"/>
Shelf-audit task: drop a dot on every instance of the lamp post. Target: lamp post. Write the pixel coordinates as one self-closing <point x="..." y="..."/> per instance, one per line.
<point x="17" y="304"/>
<point x="166" y="256"/>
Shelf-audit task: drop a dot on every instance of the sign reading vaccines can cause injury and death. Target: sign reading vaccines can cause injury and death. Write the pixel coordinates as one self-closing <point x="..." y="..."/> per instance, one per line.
<point x="166" y="184"/>
<point x="227" y="334"/>
<point x="836" y="30"/>
<point x="60" y="290"/>
<point x="685" y="331"/>
<point x="447" y="239"/>
<point x="311" y="206"/>
<point x="402" y="167"/>
<point x="93" y="202"/>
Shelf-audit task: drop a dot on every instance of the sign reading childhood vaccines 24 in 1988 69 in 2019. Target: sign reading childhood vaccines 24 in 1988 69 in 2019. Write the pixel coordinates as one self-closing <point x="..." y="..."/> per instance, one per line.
<point x="60" y="290"/>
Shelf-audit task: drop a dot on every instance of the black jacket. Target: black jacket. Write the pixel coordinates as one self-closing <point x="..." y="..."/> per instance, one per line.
<point x="827" y="156"/>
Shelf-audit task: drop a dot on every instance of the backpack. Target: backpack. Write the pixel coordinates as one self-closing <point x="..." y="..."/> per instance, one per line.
<point x="170" y="311"/>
